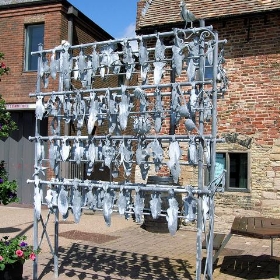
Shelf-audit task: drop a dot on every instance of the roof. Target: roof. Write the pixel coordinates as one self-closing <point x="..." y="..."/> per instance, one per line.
<point x="13" y="2"/>
<point x="162" y="12"/>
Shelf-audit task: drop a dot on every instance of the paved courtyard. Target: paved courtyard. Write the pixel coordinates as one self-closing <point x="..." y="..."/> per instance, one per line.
<point x="92" y="250"/>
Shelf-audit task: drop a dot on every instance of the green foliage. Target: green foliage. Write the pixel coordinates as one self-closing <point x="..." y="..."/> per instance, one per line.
<point x="14" y="250"/>
<point x="8" y="189"/>
<point x="3" y="68"/>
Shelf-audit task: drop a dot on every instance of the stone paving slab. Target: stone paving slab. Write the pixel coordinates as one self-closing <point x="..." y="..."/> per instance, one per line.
<point x="92" y="250"/>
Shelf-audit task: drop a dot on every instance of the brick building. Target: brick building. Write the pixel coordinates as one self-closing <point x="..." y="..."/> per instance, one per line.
<point x="23" y="25"/>
<point x="248" y="115"/>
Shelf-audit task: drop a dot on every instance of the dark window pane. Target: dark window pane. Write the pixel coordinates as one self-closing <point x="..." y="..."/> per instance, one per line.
<point x="238" y="170"/>
<point x="34" y="37"/>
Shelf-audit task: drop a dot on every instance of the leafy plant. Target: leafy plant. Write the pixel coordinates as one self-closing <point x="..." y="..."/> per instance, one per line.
<point x="15" y="250"/>
<point x="8" y="189"/>
<point x="3" y="68"/>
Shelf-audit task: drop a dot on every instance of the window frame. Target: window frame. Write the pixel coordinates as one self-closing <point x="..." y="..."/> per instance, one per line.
<point x="227" y="168"/>
<point x="28" y="48"/>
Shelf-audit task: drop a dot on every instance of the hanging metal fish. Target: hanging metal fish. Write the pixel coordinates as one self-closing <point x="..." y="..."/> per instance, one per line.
<point x="76" y="201"/>
<point x="76" y="72"/>
<point x="79" y="110"/>
<point x="159" y="111"/>
<point x="93" y="112"/>
<point x="40" y="150"/>
<point x="65" y="148"/>
<point x="49" y="198"/>
<point x="142" y="124"/>
<point x="108" y="204"/>
<point x="95" y="61"/>
<point x="45" y="70"/>
<point x="124" y="108"/>
<point x="207" y="106"/>
<point x="138" y="205"/>
<point x="108" y="152"/>
<point x="54" y="65"/>
<point x="90" y="199"/>
<point x="38" y="198"/>
<point x="78" y="151"/>
<point x="140" y="94"/>
<point x="159" y="50"/>
<point x="128" y="59"/>
<point x="210" y="51"/>
<point x="106" y="58"/>
<point x="63" y="201"/>
<point x="102" y="110"/>
<point x="142" y="156"/>
<point x="192" y="151"/>
<point x="40" y="108"/>
<point x="178" y="53"/>
<point x="127" y="156"/>
<point x="155" y="205"/>
<point x="114" y="126"/>
<point x="88" y="76"/>
<point x="207" y="152"/>
<point x="193" y="99"/>
<point x="143" y="60"/>
<point x="190" y="208"/>
<point x="54" y="153"/>
<point x="172" y="214"/>
<point x="66" y="65"/>
<point x="116" y="64"/>
<point x="67" y="107"/>
<point x="190" y="126"/>
<point x="158" y="71"/>
<point x="183" y="109"/>
<point x="82" y="63"/>
<point x="173" y="164"/>
<point x="156" y="151"/>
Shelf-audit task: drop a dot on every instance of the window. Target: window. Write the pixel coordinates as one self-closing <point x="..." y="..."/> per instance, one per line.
<point x="236" y="165"/>
<point x="34" y="36"/>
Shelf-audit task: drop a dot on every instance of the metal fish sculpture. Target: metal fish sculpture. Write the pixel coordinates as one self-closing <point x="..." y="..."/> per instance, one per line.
<point x="102" y="110"/>
<point x="156" y="151"/>
<point x="90" y="199"/>
<point x="82" y="62"/>
<point x="114" y="126"/>
<point x="207" y="152"/>
<point x="138" y="205"/>
<point x="175" y="154"/>
<point x="142" y="124"/>
<point x="106" y="58"/>
<point x="76" y="202"/>
<point x="108" y="152"/>
<point x="91" y="155"/>
<point x="54" y="153"/>
<point x="40" y="108"/>
<point x="207" y="106"/>
<point x="65" y="148"/>
<point x="122" y="202"/>
<point x="63" y="201"/>
<point x="49" y="198"/>
<point x="124" y="108"/>
<point x="190" y="126"/>
<point x="95" y="61"/>
<point x="66" y="65"/>
<point x="183" y="109"/>
<point x="88" y="76"/>
<point x="40" y="150"/>
<point x="93" y="112"/>
<point x="193" y="99"/>
<point x="76" y="73"/>
<point x="192" y="152"/>
<point x="38" y="197"/>
<point x="143" y="60"/>
<point x="210" y="51"/>
<point x="158" y="71"/>
<point x="108" y="204"/>
<point x="159" y="111"/>
<point x="190" y="205"/>
<point x="78" y="151"/>
<point x="116" y="64"/>
<point x="45" y="70"/>
<point x="155" y="205"/>
<point x="67" y="107"/>
<point x="159" y="50"/>
<point x="142" y="156"/>
<point x="54" y="65"/>
<point x="178" y="53"/>
<point x="141" y="96"/>
<point x="127" y="156"/>
<point x="128" y="59"/>
<point x="79" y="110"/>
<point x="172" y="215"/>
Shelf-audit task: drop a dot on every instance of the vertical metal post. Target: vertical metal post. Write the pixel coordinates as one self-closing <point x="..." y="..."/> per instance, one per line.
<point x="200" y="160"/>
<point x="213" y="157"/>
<point x="36" y="176"/>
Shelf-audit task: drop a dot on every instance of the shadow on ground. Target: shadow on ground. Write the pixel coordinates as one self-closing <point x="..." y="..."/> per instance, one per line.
<point x="88" y="262"/>
<point x="249" y="267"/>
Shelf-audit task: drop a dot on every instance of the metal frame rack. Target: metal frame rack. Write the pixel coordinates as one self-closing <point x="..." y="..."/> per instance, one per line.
<point x="193" y="53"/>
